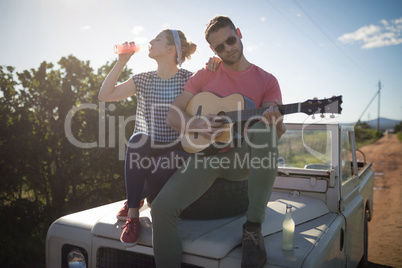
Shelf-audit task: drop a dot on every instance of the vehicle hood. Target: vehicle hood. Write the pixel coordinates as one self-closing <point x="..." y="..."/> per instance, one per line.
<point x="215" y="238"/>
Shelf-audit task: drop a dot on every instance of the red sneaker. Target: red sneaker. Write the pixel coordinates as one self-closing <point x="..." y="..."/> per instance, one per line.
<point x="123" y="212"/>
<point x="131" y="232"/>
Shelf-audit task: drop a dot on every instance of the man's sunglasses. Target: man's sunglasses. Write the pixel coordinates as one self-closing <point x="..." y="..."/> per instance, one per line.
<point x="230" y="42"/>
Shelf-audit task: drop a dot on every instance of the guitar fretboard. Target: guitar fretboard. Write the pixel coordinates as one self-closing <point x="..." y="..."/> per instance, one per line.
<point x="238" y="116"/>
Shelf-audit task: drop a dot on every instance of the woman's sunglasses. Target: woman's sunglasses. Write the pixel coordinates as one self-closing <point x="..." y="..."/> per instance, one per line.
<point x="230" y="42"/>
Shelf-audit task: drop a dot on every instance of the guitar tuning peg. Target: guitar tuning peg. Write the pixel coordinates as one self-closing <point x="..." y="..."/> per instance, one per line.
<point x="322" y="116"/>
<point x="332" y="116"/>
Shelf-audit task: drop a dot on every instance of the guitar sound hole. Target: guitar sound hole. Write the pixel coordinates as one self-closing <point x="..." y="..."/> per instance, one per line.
<point x="222" y="120"/>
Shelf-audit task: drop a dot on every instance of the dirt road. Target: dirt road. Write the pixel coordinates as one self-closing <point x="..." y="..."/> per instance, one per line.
<point x="385" y="229"/>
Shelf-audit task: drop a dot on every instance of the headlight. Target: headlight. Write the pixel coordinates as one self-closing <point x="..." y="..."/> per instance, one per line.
<point x="76" y="258"/>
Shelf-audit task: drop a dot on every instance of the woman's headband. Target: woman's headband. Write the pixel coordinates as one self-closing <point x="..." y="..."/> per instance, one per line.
<point x="177" y="43"/>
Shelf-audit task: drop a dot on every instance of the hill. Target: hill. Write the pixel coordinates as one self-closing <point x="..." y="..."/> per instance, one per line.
<point x="385" y="123"/>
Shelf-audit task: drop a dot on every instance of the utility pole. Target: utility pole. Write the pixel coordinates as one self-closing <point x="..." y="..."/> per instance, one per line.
<point x="379" y="98"/>
<point x="378" y="119"/>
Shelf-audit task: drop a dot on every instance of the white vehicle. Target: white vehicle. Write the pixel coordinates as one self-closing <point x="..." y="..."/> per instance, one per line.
<point x="331" y="193"/>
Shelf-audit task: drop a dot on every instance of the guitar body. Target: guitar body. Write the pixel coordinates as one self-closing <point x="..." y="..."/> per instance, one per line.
<point x="208" y="103"/>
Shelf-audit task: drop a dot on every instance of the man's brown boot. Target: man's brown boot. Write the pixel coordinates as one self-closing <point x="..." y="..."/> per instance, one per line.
<point x="254" y="254"/>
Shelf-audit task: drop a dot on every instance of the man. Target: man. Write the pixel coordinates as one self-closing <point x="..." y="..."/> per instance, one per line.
<point x="234" y="75"/>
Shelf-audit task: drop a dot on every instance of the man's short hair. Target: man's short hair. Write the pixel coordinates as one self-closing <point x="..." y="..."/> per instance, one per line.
<point x="217" y="23"/>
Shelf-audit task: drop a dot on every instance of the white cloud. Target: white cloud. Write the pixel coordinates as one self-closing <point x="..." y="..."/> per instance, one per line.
<point x="263" y="19"/>
<point x="388" y="33"/>
<point x="140" y="40"/>
<point x="86" y="28"/>
<point x="252" y="48"/>
<point x="166" y="26"/>
<point x="137" y="30"/>
<point x="398" y="21"/>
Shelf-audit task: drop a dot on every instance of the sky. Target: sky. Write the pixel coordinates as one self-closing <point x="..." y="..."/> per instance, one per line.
<point x="315" y="48"/>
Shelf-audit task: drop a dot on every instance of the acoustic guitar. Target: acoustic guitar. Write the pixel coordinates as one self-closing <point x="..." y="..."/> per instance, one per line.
<point x="236" y="108"/>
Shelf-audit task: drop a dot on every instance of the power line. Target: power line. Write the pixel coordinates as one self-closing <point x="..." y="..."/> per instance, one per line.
<point x="291" y="22"/>
<point x="326" y="35"/>
<point x="303" y="32"/>
<point x="375" y="95"/>
<point x="320" y="29"/>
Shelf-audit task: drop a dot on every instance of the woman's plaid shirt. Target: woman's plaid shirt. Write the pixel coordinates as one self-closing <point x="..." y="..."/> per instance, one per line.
<point x="154" y="97"/>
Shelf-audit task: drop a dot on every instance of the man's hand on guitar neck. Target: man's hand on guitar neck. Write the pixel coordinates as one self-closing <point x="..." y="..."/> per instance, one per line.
<point x="272" y="116"/>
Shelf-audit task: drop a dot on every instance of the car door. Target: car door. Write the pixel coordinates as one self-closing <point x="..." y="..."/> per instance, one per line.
<point x="351" y="202"/>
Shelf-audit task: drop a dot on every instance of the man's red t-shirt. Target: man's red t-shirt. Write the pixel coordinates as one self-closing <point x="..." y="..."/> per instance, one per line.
<point x="253" y="83"/>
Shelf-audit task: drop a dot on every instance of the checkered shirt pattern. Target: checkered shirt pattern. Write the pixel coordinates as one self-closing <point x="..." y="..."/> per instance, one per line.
<point x="154" y="97"/>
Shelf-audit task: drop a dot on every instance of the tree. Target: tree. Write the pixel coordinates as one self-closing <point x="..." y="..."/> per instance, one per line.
<point x="44" y="175"/>
<point x="398" y="127"/>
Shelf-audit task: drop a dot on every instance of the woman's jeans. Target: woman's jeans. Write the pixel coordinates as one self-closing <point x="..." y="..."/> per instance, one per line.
<point x="148" y="166"/>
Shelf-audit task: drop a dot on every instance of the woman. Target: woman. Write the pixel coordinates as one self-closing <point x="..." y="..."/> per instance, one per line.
<point x="152" y="140"/>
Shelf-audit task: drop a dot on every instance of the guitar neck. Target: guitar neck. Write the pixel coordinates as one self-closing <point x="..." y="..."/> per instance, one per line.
<point x="244" y="115"/>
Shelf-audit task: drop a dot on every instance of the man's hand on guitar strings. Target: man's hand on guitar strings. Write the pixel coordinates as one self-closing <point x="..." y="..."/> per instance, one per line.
<point x="208" y="126"/>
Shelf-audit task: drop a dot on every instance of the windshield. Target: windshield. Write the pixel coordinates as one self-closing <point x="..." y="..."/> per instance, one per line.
<point x="305" y="149"/>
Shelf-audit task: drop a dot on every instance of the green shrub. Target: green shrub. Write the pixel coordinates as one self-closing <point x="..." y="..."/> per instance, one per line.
<point x="366" y="135"/>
